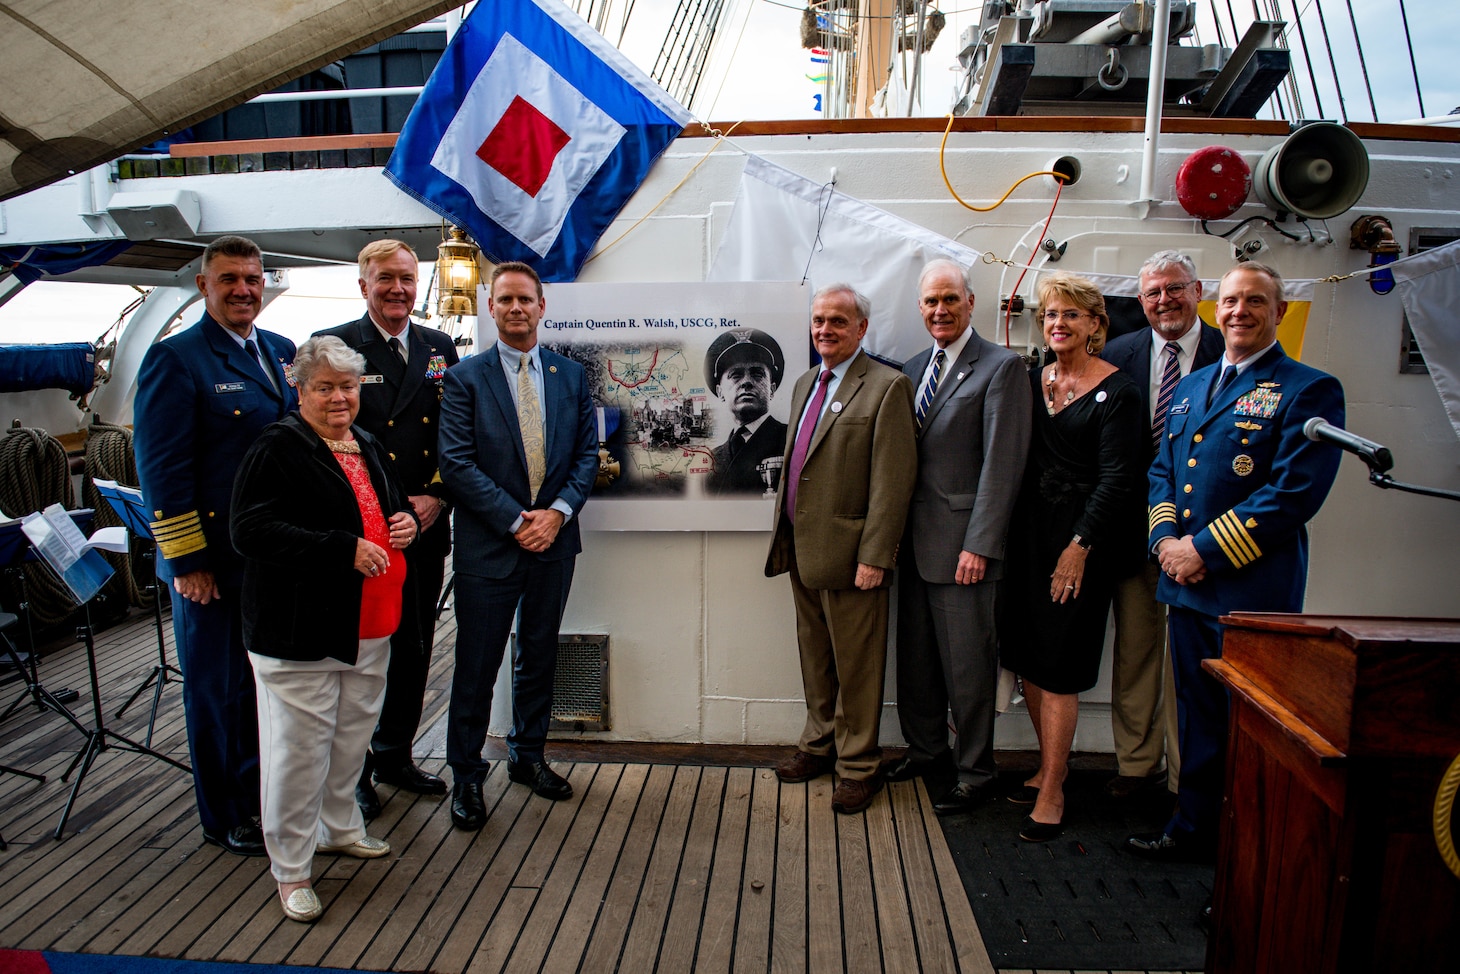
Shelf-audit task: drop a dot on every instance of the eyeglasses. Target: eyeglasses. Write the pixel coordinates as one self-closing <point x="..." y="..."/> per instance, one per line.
<point x="1172" y="290"/>
<point x="1070" y="317"/>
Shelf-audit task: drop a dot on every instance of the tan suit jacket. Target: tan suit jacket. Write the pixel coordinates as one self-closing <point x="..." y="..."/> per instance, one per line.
<point x="857" y="481"/>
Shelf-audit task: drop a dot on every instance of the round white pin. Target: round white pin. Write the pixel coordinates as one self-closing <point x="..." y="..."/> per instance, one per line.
<point x="1100" y="396"/>
<point x="836" y="407"/>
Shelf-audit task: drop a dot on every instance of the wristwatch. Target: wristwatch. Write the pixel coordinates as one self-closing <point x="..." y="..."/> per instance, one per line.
<point x="1081" y="542"/>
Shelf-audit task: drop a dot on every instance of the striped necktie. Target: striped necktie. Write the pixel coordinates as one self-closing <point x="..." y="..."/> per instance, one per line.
<point x="931" y="389"/>
<point x="529" y="418"/>
<point x="1170" y="376"/>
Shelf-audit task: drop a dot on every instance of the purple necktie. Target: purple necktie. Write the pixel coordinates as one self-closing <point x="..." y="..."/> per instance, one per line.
<point x="803" y="442"/>
<point x="1170" y="375"/>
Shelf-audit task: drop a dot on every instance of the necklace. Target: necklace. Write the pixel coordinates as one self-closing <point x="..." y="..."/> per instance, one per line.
<point x="1049" y="389"/>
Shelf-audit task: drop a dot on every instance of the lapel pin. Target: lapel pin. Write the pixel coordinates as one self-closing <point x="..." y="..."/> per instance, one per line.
<point x="836" y="407"/>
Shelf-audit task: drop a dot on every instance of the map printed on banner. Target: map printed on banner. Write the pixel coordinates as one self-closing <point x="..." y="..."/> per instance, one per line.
<point x="693" y="384"/>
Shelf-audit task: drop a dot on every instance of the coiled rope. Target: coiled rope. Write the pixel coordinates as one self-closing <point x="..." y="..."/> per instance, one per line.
<point x="1443" y="822"/>
<point x="109" y="456"/>
<point x="34" y="474"/>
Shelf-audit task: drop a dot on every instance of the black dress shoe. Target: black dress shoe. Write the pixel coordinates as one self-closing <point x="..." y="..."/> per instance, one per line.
<point x="540" y="778"/>
<point x="906" y="768"/>
<point x="1032" y="831"/>
<point x="1170" y="848"/>
<point x="962" y="797"/>
<point x="468" y="811"/>
<point x="241" y="840"/>
<point x="1023" y="795"/>
<point x="408" y="777"/>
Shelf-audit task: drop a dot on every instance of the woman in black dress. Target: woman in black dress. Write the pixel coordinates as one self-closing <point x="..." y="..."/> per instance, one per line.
<point x="1078" y="525"/>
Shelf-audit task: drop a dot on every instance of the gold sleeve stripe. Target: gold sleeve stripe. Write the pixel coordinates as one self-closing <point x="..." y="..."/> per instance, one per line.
<point x="180" y="535"/>
<point x="1164" y="513"/>
<point x="1234" y="540"/>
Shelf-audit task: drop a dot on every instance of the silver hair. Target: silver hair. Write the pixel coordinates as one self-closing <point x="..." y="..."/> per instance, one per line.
<point x="1279" y="287"/>
<point x="327" y="352"/>
<point x="1162" y="260"/>
<point x="862" y="303"/>
<point x="944" y="264"/>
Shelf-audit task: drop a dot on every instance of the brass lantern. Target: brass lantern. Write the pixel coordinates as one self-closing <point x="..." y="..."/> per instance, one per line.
<point x="457" y="275"/>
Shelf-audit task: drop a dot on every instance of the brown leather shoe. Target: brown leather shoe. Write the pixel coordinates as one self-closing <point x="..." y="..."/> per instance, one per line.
<point x="803" y="767"/>
<point x="851" y="796"/>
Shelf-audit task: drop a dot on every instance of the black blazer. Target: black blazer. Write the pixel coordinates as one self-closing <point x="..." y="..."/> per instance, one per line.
<point x="295" y="522"/>
<point x="1132" y="355"/>
<point x="400" y="405"/>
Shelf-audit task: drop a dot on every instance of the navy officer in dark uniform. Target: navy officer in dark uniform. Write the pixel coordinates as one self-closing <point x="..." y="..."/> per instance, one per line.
<point x="744" y="368"/>
<point x="1231" y="490"/>
<point x="400" y="404"/>
<point x="203" y="397"/>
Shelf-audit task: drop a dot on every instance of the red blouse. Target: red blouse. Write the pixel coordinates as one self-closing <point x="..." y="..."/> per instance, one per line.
<point x="380" y="601"/>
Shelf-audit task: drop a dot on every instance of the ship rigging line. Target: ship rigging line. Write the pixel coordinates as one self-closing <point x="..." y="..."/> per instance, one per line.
<point x="1307" y="59"/>
<point x="1413" y="68"/>
<point x="1363" y="65"/>
<point x="1332" y="65"/>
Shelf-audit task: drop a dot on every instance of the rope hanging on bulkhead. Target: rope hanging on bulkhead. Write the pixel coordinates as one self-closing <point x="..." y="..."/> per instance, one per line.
<point x="34" y="474"/>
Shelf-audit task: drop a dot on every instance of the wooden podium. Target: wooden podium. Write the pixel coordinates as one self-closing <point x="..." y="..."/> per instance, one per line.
<point x="1341" y="730"/>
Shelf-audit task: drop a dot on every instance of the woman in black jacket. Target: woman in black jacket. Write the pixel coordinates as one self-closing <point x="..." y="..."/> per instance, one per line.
<point x="317" y="512"/>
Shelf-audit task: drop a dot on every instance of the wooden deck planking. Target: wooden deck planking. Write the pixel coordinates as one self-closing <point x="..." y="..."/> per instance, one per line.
<point x="651" y="867"/>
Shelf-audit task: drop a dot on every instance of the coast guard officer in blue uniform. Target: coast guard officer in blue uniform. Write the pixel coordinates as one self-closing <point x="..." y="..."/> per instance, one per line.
<point x="203" y="397"/>
<point x="1231" y="490"/>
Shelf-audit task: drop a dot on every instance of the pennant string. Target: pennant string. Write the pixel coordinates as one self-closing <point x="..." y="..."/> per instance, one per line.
<point x="720" y="139"/>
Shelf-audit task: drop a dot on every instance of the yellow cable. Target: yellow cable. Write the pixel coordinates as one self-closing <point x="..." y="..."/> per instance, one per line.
<point x="720" y="139"/>
<point x="943" y="166"/>
<point x="1444" y="810"/>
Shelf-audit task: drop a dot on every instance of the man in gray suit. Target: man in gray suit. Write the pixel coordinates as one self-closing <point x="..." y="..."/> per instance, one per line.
<point x="974" y="420"/>
<point x="1142" y="701"/>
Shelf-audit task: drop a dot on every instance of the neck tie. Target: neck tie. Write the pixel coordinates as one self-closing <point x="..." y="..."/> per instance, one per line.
<point x="253" y="349"/>
<point x="1170" y="375"/>
<point x="529" y="418"/>
<point x="803" y="442"/>
<point x="931" y="389"/>
<point x="397" y="348"/>
<point x="1228" y="375"/>
<point x="737" y="440"/>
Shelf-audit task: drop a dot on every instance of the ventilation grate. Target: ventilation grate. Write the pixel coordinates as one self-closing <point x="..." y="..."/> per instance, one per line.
<point x="580" y="686"/>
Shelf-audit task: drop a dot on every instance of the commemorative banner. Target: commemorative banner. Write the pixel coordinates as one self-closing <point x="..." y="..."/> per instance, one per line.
<point x="692" y="387"/>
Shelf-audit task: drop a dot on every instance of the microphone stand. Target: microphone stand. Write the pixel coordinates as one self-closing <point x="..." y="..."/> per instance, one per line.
<point x="1383" y="480"/>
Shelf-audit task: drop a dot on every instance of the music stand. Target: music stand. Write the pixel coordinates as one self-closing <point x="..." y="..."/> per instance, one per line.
<point x="75" y="561"/>
<point x="6" y="621"/>
<point x="15" y="553"/>
<point x="128" y="505"/>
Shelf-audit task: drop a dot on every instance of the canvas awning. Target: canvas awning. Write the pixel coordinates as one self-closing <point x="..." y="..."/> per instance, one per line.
<point x="82" y="82"/>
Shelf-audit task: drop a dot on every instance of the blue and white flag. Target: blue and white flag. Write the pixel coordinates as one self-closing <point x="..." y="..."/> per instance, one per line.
<point x="532" y="133"/>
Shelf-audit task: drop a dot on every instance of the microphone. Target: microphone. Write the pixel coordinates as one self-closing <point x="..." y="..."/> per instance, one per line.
<point x="1377" y="457"/>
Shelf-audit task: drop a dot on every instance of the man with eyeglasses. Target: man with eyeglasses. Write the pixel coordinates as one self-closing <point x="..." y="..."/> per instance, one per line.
<point x="1142" y="700"/>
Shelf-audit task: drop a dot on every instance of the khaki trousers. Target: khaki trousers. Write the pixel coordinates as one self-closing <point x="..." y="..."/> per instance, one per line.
<point x="1142" y="692"/>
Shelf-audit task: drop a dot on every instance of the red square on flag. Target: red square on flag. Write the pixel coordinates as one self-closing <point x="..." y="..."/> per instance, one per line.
<point x="522" y="146"/>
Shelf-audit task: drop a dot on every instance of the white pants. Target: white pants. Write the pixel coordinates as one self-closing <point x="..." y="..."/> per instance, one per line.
<point x="315" y="722"/>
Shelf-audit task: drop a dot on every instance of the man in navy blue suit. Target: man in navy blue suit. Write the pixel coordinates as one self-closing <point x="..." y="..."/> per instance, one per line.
<point x="1232" y="488"/>
<point x="1142" y="713"/>
<point x="203" y="397"/>
<point x="518" y="453"/>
